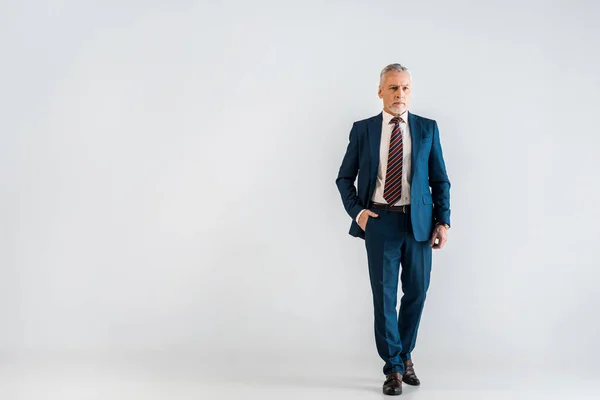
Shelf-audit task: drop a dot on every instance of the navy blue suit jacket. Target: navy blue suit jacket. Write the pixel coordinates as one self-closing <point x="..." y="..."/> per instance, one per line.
<point x="428" y="206"/>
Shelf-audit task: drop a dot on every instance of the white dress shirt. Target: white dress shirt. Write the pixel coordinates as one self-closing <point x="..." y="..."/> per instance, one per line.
<point x="386" y="133"/>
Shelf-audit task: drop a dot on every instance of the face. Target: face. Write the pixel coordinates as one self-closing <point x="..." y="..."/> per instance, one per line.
<point x="394" y="90"/>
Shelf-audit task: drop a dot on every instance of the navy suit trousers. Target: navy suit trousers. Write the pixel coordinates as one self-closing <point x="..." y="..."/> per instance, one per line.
<point x="391" y="248"/>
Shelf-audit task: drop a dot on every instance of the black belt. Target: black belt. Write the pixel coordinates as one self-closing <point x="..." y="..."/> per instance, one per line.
<point x="405" y="209"/>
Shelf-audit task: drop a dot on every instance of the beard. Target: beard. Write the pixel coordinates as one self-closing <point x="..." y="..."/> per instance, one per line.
<point x="398" y="110"/>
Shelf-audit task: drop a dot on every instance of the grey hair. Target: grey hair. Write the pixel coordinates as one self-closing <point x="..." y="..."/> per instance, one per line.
<point x="393" y="67"/>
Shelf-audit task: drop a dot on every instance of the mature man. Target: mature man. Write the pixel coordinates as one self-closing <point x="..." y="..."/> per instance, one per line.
<point x="397" y="156"/>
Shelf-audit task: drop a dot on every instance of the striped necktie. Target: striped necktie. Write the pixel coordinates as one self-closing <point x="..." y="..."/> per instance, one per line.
<point x="393" y="177"/>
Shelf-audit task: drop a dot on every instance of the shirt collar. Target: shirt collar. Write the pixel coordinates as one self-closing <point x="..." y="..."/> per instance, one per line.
<point x="387" y="117"/>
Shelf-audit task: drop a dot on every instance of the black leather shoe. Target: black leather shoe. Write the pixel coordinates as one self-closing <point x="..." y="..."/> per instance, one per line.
<point x="393" y="384"/>
<point x="409" y="377"/>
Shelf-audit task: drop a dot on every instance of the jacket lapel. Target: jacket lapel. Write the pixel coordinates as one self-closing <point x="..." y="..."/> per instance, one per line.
<point x="415" y="138"/>
<point x="374" y="134"/>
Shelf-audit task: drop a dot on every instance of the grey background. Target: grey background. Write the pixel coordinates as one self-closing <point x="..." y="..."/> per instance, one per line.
<point x="167" y="179"/>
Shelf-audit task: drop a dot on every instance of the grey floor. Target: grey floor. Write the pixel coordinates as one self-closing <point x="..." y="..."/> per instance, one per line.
<point x="187" y="376"/>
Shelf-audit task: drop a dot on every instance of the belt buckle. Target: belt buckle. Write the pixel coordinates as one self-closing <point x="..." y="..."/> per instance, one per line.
<point x="404" y="209"/>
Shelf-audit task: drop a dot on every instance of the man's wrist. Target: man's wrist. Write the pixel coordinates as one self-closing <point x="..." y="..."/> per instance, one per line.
<point x="445" y="225"/>
<point x="358" y="215"/>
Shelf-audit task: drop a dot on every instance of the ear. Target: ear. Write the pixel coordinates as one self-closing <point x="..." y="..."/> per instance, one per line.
<point x="379" y="92"/>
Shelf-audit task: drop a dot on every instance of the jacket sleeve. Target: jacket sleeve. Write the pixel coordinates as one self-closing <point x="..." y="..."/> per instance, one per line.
<point x="438" y="180"/>
<point x="347" y="176"/>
